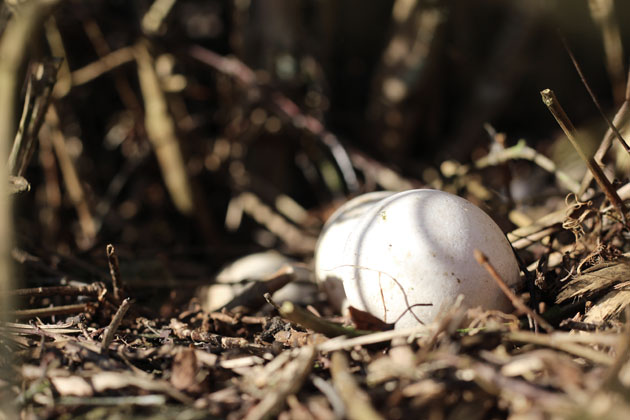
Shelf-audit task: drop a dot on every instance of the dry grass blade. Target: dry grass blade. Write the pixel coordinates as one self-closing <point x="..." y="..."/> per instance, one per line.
<point x="594" y="98"/>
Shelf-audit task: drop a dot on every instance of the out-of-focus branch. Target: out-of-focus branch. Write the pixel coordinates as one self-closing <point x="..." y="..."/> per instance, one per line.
<point x="38" y="92"/>
<point x="603" y="13"/>
<point x="103" y="65"/>
<point x="153" y="19"/>
<point x="16" y="37"/>
<point x="161" y="132"/>
<point x="285" y="108"/>
<point x="71" y="178"/>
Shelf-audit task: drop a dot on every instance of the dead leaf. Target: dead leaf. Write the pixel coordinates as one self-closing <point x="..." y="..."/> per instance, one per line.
<point x="367" y="321"/>
<point x="185" y="370"/>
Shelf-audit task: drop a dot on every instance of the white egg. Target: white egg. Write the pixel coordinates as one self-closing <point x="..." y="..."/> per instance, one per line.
<point x="332" y="240"/>
<point x="410" y="255"/>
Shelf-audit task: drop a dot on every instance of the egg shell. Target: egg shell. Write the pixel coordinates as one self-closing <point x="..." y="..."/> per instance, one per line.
<point x="410" y="255"/>
<point x="332" y="240"/>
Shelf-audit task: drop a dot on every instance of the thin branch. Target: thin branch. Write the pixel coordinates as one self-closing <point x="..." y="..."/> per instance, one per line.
<point x="518" y="304"/>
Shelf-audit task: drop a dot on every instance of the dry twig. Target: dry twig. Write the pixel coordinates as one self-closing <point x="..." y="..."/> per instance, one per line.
<point x="114" y="271"/>
<point x="518" y="304"/>
<point x="108" y="335"/>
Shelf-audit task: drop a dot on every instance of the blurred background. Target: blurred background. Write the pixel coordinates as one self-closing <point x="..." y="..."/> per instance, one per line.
<point x="188" y="133"/>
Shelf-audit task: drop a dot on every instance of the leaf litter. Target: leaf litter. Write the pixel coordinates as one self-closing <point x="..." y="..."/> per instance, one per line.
<point x="89" y="346"/>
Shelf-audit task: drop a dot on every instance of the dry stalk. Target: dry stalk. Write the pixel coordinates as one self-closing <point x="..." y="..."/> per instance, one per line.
<point x="52" y="311"/>
<point x="518" y="304"/>
<point x="161" y="132"/>
<point x="114" y="271"/>
<point x="94" y="289"/>
<point x="550" y="100"/>
<point x="153" y="18"/>
<point x="108" y="335"/>
<point x="357" y="402"/>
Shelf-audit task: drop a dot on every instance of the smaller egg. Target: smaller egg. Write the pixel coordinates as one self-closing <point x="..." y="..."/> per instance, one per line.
<point x="332" y="240"/>
<point x="235" y="277"/>
<point x="410" y="255"/>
